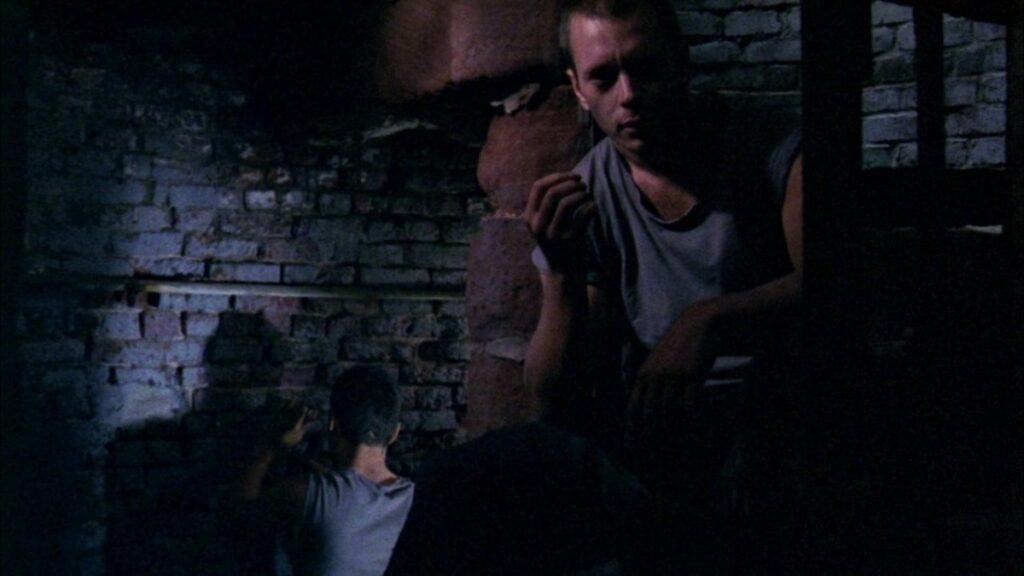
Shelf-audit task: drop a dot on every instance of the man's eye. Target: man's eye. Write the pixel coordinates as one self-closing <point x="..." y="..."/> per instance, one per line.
<point x="603" y="81"/>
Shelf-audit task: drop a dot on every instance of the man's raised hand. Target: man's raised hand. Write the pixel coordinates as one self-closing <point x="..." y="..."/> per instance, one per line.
<point x="557" y="212"/>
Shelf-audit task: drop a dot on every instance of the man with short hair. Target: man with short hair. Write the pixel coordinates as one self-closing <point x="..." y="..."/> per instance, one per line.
<point x="343" y="518"/>
<point x="668" y="256"/>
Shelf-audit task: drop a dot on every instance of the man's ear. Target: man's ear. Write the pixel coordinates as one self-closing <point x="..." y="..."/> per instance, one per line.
<point x="575" y="81"/>
<point x="394" y="434"/>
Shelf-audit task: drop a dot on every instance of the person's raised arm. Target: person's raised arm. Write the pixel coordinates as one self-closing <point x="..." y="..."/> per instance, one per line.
<point x="284" y="431"/>
<point x="557" y="212"/>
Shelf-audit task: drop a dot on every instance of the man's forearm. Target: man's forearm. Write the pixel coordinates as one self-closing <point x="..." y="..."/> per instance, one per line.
<point x="251" y="484"/>
<point x="774" y="296"/>
<point x="686" y="350"/>
<point x="554" y="352"/>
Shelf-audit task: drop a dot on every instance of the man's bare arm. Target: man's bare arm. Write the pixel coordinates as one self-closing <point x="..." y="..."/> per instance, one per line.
<point x="557" y="212"/>
<point x="286" y="498"/>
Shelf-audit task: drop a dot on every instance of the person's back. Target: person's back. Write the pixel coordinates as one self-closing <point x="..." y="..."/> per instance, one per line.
<point x="342" y="519"/>
<point x="350" y="523"/>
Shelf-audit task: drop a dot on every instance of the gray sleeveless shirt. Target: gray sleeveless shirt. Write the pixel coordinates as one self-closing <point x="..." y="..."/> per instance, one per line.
<point x="350" y="524"/>
<point x="731" y="241"/>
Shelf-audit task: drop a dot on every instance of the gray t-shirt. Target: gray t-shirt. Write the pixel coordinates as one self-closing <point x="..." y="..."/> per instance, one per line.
<point x="350" y="524"/>
<point x="730" y="241"/>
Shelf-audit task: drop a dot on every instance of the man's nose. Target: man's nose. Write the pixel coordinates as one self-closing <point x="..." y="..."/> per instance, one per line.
<point x="627" y="89"/>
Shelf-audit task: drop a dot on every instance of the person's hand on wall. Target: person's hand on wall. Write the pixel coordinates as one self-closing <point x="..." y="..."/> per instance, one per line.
<point x="288" y="425"/>
<point x="557" y="213"/>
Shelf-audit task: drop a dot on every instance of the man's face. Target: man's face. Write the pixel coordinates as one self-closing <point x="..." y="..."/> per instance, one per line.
<point x="624" y="75"/>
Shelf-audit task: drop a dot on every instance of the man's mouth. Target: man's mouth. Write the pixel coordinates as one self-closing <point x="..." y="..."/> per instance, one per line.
<point x="633" y="125"/>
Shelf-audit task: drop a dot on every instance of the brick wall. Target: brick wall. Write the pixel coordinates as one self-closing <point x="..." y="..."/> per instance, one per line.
<point x="975" y="93"/>
<point x="187" y="259"/>
<point x="751" y="48"/>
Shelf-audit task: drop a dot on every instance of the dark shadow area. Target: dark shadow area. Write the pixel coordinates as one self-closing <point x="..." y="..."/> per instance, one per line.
<point x="303" y="61"/>
<point x="167" y="481"/>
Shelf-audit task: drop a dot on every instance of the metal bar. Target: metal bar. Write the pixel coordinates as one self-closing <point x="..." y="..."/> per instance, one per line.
<point x="836" y="56"/>
<point x="931" y="133"/>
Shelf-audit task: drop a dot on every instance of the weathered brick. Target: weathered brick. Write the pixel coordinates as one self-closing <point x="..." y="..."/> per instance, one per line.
<point x="298" y="250"/>
<point x="120" y="324"/>
<point x="956" y="152"/>
<point x="168" y="267"/>
<point x="300" y="274"/>
<point x="257" y="273"/>
<point x="393" y="276"/>
<point x="435" y="256"/>
<point x="956" y="31"/>
<point x="362" y="350"/>
<point x="333" y="274"/>
<point x="239" y="324"/>
<point x="150" y="244"/>
<point x="976" y="59"/>
<point x="905" y="154"/>
<point x="335" y="204"/>
<point x="129" y="404"/>
<point x="982" y="119"/>
<point x="700" y="24"/>
<point x="993" y="88"/>
<point x="151" y="218"/>
<point x="906" y="39"/>
<point x="221" y="249"/>
<point x="371" y="204"/>
<point x="459" y="232"/>
<point x="890" y="127"/>
<point x="882" y="39"/>
<point x="754" y="22"/>
<point x="772" y="51"/>
<point x="986" y="152"/>
<point x="261" y="200"/>
<point x="894" y="69"/>
<point x="137" y="166"/>
<point x="344" y="326"/>
<point x="380" y="232"/>
<point x="161" y="325"/>
<point x="193" y="220"/>
<point x="326" y="179"/>
<point x="192" y="196"/>
<point x="297" y="201"/>
<point x="166" y="377"/>
<point x="419" y="231"/>
<point x="986" y="31"/>
<point x="381" y="255"/>
<point x="448" y="278"/>
<point x="148" y="353"/>
<point x="888" y="98"/>
<point x="304" y="326"/>
<point x="425" y="421"/>
<point x="890" y="13"/>
<point x="714" y="52"/>
<point x="178" y="146"/>
<point x="960" y="92"/>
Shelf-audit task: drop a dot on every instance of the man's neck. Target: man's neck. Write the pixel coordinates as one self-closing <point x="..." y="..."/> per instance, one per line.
<point x="368" y="461"/>
<point x="662" y="187"/>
